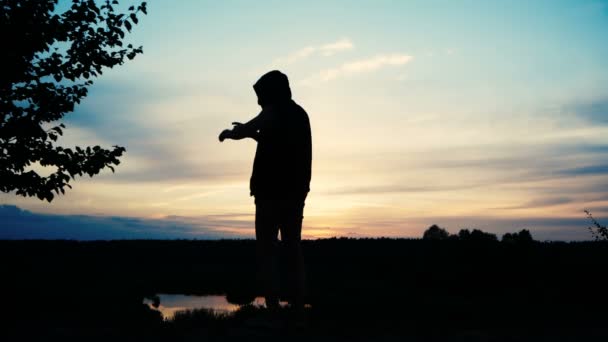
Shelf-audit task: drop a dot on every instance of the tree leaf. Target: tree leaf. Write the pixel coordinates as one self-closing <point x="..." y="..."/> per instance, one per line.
<point x="91" y="32"/>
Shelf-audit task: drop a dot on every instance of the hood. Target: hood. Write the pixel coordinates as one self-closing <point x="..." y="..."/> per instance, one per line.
<point x="272" y="87"/>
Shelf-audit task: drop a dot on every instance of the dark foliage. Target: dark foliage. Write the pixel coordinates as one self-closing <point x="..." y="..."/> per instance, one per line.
<point x="522" y="236"/>
<point x="599" y="232"/>
<point x="479" y="235"/>
<point x="464" y="234"/>
<point x="48" y="61"/>
<point x="435" y="232"/>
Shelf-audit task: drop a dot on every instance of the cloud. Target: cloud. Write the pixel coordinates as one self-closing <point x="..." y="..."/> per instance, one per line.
<point x="593" y="148"/>
<point x="168" y="133"/>
<point x="328" y="49"/>
<point x="397" y="188"/>
<point x="598" y="209"/>
<point x="332" y="48"/>
<point x="542" y="202"/>
<point x="22" y="224"/>
<point x="360" y="66"/>
<point x="589" y="170"/>
<point x="169" y="168"/>
<point x="595" y="112"/>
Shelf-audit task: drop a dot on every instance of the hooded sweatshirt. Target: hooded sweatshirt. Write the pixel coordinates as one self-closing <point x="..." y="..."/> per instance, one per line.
<point x="283" y="158"/>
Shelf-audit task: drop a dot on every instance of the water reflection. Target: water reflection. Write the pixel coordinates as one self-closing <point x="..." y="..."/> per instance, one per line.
<point x="172" y="303"/>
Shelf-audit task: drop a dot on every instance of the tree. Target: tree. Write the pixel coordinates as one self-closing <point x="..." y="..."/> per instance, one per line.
<point x="435" y="232"/>
<point x="49" y="60"/>
<point x="475" y="235"/>
<point x="522" y="236"/>
<point x="481" y="236"/>
<point x="464" y="234"/>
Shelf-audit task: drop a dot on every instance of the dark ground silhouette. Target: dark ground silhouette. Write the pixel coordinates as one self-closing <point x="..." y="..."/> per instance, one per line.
<point x="359" y="289"/>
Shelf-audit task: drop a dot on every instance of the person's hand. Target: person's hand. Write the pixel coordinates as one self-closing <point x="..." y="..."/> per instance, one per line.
<point x="226" y="134"/>
<point x="236" y="125"/>
<point x="236" y="131"/>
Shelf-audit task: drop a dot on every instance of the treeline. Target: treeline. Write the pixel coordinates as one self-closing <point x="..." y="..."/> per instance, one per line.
<point x="435" y="232"/>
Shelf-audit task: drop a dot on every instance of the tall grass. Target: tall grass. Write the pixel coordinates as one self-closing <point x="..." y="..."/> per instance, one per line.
<point x="598" y="232"/>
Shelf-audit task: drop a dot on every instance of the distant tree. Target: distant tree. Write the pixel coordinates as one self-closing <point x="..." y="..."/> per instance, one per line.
<point x="522" y="236"/>
<point x="48" y="62"/>
<point x="481" y="236"/>
<point x="598" y="232"/>
<point x="435" y="232"/>
<point x="475" y="235"/>
<point x="464" y="234"/>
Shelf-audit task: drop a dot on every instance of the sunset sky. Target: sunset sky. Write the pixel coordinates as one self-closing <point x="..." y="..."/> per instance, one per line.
<point x="467" y="114"/>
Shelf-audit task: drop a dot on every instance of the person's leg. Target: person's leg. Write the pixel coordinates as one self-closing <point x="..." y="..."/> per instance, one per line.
<point x="266" y="231"/>
<point x="291" y="233"/>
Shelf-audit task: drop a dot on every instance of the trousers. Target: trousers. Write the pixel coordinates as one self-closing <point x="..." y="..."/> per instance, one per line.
<point x="284" y="216"/>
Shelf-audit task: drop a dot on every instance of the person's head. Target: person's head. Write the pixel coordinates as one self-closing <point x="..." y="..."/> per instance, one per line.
<point x="272" y="88"/>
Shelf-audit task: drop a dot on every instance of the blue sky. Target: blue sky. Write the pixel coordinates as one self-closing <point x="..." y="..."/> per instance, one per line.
<point x="468" y="114"/>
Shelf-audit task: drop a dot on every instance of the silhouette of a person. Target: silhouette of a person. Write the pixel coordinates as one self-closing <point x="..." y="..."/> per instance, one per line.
<point x="279" y="182"/>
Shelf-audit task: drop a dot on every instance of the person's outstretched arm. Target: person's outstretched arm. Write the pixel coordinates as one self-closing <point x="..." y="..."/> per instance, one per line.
<point x="249" y="129"/>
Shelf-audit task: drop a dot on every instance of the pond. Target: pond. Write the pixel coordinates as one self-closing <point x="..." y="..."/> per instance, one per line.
<point x="172" y="303"/>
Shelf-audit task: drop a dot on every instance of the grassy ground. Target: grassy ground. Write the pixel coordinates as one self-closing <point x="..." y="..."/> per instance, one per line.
<point x="380" y="289"/>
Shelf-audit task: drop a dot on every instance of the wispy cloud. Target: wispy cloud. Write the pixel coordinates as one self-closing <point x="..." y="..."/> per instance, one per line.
<point x="595" y="169"/>
<point x="23" y="224"/>
<point x="395" y="188"/>
<point x="328" y="49"/>
<point x="542" y="202"/>
<point x="332" y="48"/>
<point x="361" y="66"/>
<point x="596" y="111"/>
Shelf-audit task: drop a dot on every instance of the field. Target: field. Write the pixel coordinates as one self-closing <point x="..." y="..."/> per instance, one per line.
<point x="359" y="289"/>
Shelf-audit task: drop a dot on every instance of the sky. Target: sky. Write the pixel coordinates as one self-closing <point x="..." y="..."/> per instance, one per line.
<point x="467" y="114"/>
